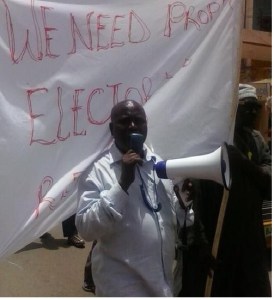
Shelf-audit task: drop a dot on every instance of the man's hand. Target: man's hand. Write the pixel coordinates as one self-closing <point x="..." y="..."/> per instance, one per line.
<point x="129" y="161"/>
<point x="188" y="188"/>
<point x="185" y="192"/>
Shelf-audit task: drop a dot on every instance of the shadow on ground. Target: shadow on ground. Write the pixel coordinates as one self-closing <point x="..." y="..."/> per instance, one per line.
<point x="48" y="242"/>
<point x="37" y="271"/>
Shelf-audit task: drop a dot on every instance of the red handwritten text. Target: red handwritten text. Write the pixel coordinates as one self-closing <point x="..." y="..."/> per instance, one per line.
<point x="82" y="103"/>
<point x="44" y="188"/>
<point x="178" y="12"/>
<point x="98" y="32"/>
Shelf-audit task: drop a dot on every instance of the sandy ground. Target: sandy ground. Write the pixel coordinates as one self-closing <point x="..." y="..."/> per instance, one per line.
<point x="45" y="269"/>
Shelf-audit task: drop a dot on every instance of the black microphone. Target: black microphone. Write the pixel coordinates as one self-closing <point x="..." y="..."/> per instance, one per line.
<point x="136" y="141"/>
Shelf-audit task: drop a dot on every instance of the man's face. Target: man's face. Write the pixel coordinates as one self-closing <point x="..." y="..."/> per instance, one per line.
<point x="128" y="117"/>
<point x="246" y="115"/>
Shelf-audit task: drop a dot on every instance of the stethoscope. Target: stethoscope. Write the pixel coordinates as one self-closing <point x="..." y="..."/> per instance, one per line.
<point x="144" y="192"/>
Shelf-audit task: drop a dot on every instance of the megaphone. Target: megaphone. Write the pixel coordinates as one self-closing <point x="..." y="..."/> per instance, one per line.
<point x="213" y="166"/>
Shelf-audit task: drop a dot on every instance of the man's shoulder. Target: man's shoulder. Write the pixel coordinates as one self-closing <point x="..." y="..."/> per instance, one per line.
<point x="106" y="157"/>
<point x="256" y="132"/>
<point x="258" y="136"/>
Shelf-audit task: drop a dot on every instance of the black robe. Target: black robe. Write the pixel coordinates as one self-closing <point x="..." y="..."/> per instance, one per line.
<point x="241" y="267"/>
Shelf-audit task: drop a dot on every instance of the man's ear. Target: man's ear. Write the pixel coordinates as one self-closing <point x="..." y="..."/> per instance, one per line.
<point x="111" y="128"/>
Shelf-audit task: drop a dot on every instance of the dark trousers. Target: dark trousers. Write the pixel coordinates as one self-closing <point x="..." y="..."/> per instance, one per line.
<point x="88" y="279"/>
<point x="69" y="227"/>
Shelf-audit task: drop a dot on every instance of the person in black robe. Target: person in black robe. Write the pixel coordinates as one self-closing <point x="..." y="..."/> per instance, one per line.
<point x="240" y="268"/>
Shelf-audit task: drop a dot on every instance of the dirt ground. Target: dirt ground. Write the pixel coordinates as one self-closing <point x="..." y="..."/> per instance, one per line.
<point x="48" y="268"/>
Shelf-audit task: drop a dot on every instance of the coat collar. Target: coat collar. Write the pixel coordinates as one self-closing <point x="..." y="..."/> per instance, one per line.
<point x="116" y="154"/>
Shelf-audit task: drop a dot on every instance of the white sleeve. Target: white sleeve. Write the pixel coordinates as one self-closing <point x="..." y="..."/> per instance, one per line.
<point x="98" y="210"/>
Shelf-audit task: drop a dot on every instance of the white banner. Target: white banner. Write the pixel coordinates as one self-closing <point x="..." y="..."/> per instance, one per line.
<point x="64" y="64"/>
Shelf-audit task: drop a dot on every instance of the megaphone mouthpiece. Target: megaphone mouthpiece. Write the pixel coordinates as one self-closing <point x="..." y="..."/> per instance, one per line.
<point x="160" y="168"/>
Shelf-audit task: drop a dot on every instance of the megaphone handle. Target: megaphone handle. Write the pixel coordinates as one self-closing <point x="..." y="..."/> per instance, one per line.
<point x="217" y="236"/>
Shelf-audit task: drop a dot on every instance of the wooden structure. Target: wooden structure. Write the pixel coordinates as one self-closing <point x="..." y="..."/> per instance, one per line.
<point x="256" y="49"/>
<point x="256" y="55"/>
<point x="256" y="45"/>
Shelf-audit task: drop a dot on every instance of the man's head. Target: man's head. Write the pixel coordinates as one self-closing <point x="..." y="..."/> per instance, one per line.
<point x="127" y="117"/>
<point x="248" y="106"/>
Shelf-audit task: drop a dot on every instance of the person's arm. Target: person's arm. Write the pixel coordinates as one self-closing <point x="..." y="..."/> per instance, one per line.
<point x="264" y="153"/>
<point x="99" y="209"/>
<point x="184" y="194"/>
<point x="260" y="175"/>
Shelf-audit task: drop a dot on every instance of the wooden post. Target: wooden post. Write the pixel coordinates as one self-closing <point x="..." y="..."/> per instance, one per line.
<point x="216" y="241"/>
<point x="248" y="25"/>
<point x="249" y="14"/>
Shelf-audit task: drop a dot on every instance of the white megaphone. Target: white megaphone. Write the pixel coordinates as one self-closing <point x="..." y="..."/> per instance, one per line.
<point x="213" y="166"/>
